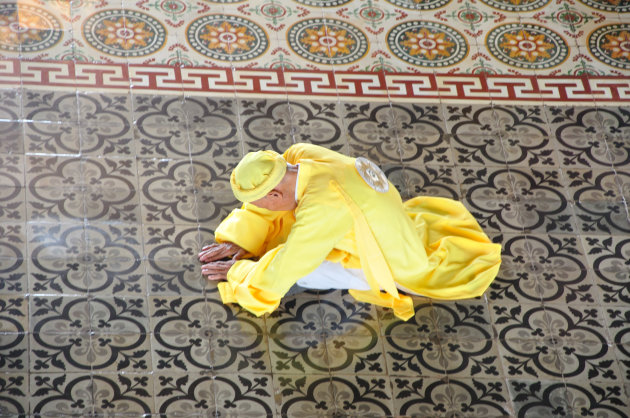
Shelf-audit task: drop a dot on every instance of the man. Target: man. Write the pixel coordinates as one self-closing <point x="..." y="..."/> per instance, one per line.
<point x="324" y="220"/>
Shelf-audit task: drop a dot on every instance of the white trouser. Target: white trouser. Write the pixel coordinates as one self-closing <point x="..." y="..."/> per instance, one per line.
<point x="331" y="275"/>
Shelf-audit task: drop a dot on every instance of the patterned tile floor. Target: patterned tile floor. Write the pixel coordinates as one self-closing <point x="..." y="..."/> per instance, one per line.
<point x="107" y="195"/>
<point x="106" y="198"/>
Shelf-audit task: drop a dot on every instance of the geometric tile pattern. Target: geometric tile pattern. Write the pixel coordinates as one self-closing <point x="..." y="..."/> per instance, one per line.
<point x="120" y="123"/>
<point x="105" y="198"/>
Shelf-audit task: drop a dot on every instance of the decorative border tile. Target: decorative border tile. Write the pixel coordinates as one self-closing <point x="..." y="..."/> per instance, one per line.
<point x="375" y="86"/>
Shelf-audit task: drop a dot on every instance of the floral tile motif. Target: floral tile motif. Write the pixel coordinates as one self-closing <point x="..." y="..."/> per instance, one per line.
<point x="372" y="132"/>
<point x="14" y="394"/>
<point x="13" y="263"/>
<point x="608" y="255"/>
<point x="512" y="200"/>
<point x="424" y="180"/>
<point x="541" y="398"/>
<point x="14" y="327"/>
<point x="446" y="397"/>
<point x="172" y="264"/>
<point x="12" y="132"/>
<point x="554" y="342"/>
<point x="589" y="137"/>
<point x="77" y="259"/>
<point x="77" y="189"/>
<point x="169" y="190"/>
<point x="83" y="394"/>
<point x="324" y="336"/>
<point x="80" y="334"/>
<point x="248" y="395"/>
<point x="277" y="125"/>
<point x="599" y="203"/>
<point x="450" y="339"/>
<point x="543" y="268"/>
<point x="497" y="135"/>
<point x="194" y="126"/>
<point x="199" y="334"/>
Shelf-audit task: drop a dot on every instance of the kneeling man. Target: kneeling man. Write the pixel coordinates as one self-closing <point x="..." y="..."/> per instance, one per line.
<point x="322" y="220"/>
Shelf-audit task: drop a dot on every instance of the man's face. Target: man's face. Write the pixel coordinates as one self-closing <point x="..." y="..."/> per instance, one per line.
<point x="276" y="201"/>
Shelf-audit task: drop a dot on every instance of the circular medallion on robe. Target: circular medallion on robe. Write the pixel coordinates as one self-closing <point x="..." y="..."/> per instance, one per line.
<point x="427" y="44"/>
<point x="372" y="174"/>
<point x="527" y="46"/>
<point x="27" y="28"/>
<point x="619" y="6"/>
<point x="227" y="38"/>
<point x="420" y="4"/>
<point x="516" y="5"/>
<point x="611" y="45"/>
<point x="328" y="41"/>
<point x="124" y="33"/>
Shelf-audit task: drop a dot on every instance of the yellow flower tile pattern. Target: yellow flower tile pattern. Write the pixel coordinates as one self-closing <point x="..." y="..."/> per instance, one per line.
<point x="515" y="37"/>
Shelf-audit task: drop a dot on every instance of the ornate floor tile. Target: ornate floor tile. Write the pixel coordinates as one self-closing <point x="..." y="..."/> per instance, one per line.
<point x="463" y="320"/>
<point x="49" y="106"/>
<point x="14" y="328"/>
<point x="622" y="352"/>
<point x="420" y="133"/>
<point x="73" y="258"/>
<point x="554" y="342"/>
<point x="527" y="46"/>
<point x="273" y="124"/>
<point x="541" y="398"/>
<point x="372" y="132"/>
<point x="323" y="336"/>
<point x="167" y="191"/>
<point x="14" y="394"/>
<point x="81" y="394"/>
<point x="59" y="259"/>
<point x="608" y="256"/>
<point x="599" y="201"/>
<point x="447" y="397"/>
<point x="193" y="334"/>
<point x="308" y="395"/>
<point x="590" y="137"/>
<point x="518" y="199"/>
<point x="544" y="268"/>
<point x="54" y="189"/>
<point x="424" y="180"/>
<point x="13" y="263"/>
<point x="172" y="264"/>
<point x="12" y="133"/>
<point x="113" y="337"/>
<point x="345" y="316"/>
<point x="364" y="395"/>
<point x="251" y="395"/>
<point x="11" y="104"/>
<point x="52" y="137"/>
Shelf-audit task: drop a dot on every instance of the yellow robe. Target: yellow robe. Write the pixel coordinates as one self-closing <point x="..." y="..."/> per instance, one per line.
<point x="429" y="246"/>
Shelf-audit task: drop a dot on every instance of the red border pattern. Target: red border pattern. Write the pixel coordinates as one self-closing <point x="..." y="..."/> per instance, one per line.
<point x="381" y="86"/>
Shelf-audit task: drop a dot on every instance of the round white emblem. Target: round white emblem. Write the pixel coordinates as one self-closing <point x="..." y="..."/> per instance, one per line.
<point x="372" y="174"/>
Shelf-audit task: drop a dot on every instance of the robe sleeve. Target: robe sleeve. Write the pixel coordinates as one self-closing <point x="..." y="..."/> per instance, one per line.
<point x="254" y="229"/>
<point x="322" y="220"/>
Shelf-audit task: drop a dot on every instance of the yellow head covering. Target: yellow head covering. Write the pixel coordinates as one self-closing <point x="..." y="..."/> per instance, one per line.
<point x="257" y="174"/>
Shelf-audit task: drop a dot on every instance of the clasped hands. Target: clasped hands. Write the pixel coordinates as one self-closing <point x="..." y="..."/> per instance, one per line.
<point x="216" y="268"/>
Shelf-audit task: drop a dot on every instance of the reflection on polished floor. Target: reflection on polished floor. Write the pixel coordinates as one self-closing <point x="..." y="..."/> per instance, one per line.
<point x="107" y="193"/>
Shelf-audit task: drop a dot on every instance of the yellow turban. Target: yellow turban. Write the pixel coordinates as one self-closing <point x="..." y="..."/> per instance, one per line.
<point x="257" y="174"/>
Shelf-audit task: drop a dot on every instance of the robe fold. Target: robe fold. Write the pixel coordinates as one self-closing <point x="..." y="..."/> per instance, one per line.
<point x="428" y="246"/>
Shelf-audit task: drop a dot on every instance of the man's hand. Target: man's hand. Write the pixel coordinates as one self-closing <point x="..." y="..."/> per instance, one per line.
<point x="217" y="270"/>
<point x="215" y="252"/>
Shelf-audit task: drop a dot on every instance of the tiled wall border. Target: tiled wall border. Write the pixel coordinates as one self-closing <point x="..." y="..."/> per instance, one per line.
<point x="381" y="86"/>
